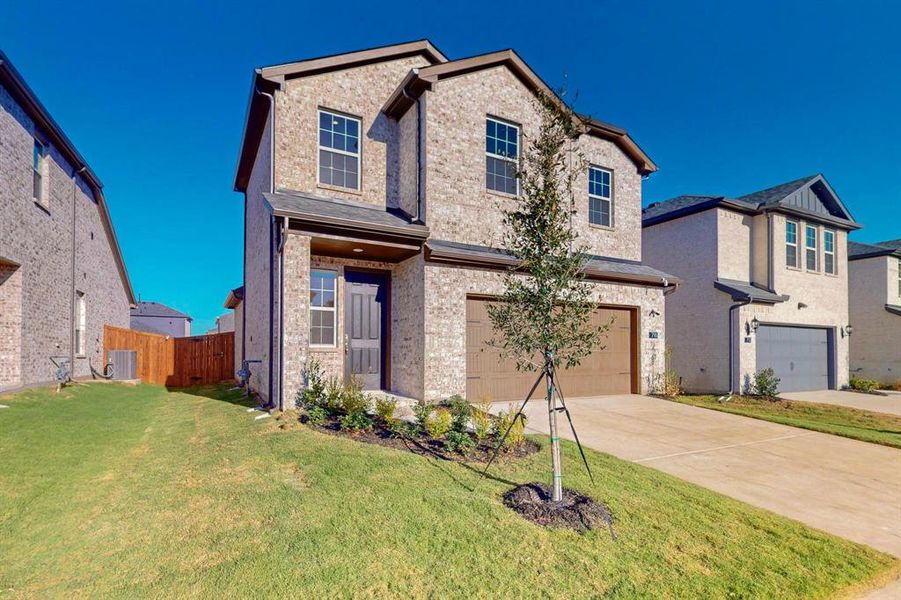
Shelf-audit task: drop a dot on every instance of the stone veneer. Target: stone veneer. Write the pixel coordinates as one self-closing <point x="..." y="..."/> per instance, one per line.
<point x="41" y="238"/>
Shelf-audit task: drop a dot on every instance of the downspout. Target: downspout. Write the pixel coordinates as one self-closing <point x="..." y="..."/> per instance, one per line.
<point x="283" y="237"/>
<point x="732" y="344"/>
<point x="271" y="239"/>
<point x="72" y="316"/>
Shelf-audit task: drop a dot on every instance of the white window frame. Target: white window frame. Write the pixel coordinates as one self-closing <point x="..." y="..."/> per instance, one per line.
<point x="834" y="271"/>
<point x="41" y="171"/>
<point x="81" y="318"/>
<point x="514" y="161"/>
<point x="331" y="309"/>
<point x="608" y="199"/>
<point x="796" y="245"/>
<point x="899" y="277"/>
<point x="358" y="154"/>
<point x="815" y="248"/>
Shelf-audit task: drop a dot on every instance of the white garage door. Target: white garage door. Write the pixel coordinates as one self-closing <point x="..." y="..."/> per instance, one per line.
<point x="800" y="356"/>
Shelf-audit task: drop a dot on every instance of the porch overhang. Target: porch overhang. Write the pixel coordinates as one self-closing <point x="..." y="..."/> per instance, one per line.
<point x="346" y="229"/>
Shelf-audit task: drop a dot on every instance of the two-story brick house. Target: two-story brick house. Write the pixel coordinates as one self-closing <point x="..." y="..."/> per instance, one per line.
<point x="874" y="281"/>
<point x="62" y="276"/>
<point x="374" y="183"/>
<point x="764" y="284"/>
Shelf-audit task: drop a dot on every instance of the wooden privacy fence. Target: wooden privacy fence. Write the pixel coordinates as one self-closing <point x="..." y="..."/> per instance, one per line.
<point x="175" y="362"/>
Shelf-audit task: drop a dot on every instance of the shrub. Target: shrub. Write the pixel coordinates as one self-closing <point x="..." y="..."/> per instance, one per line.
<point x="481" y="418"/>
<point x="313" y="394"/>
<point x="517" y="433"/>
<point x="333" y="392"/>
<point x="438" y="423"/>
<point x="384" y="408"/>
<point x="458" y="441"/>
<point x="459" y="409"/>
<point x="401" y="429"/>
<point x="353" y="400"/>
<point x="421" y="412"/>
<point x="317" y="415"/>
<point x="356" y="421"/>
<point x="671" y="385"/>
<point x="863" y="385"/>
<point x="766" y="384"/>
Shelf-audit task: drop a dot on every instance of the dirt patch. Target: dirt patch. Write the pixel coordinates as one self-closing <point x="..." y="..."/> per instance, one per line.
<point x="381" y="435"/>
<point x="576" y="511"/>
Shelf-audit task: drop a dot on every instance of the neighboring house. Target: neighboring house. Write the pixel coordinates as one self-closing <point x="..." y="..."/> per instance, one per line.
<point x="224" y="323"/>
<point x="235" y="301"/>
<point x="765" y="282"/>
<point x="62" y="276"/>
<point x="874" y="280"/>
<point x="371" y="235"/>
<point x="153" y="317"/>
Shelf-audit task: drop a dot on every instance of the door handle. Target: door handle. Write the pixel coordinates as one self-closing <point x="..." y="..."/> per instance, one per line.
<point x="345" y="343"/>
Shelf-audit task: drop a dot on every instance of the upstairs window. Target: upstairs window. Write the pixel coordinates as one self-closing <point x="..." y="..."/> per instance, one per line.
<point x="829" y="251"/>
<point x="600" y="197"/>
<point x="899" y="277"/>
<point x="339" y="150"/>
<point x="810" y="246"/>
<point x="501" y="154"/>
<point x="322" y="308"/>
<point x="791" y="244"/>
<point x="39" y="157"/>
<point x="80" y="324"/>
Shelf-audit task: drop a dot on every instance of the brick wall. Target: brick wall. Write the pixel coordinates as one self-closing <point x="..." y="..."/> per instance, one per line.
<point x="875" y="345"/>
<point x="41" y="239"/>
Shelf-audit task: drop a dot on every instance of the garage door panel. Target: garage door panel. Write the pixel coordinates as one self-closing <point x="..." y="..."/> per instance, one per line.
<point x="608" y="370"/>
<point x="799" y="356"/>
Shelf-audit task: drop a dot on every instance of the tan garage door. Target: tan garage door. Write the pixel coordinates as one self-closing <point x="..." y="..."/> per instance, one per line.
<point x="609" y="370"/>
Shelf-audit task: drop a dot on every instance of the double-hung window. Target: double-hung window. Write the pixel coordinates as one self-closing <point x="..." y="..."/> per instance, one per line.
<point x="791" y="244"/>
<point x="322" y="308"/>
<point x="38" y="158"/>
<point x="80" y="323"/>
<point x="339" y="150"/>
<point x="501" y="154"/>
<point x="829" y="251"/>
<point x="600" y="197"/>
<point x="810" y="247"/>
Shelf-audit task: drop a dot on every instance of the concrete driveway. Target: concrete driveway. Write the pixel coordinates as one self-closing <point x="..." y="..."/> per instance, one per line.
<point x="890" y="403"/>
<point x="849" y="488"/>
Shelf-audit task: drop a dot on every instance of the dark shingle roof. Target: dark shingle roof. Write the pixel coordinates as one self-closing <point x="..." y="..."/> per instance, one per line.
<point x="322" y="208"/>
<point x="658" y="209"/>
<point x="858" y="250"/>
<point x="155" y="309"/>
<point x="743" y="290"/>
<point x="772" y="195"/>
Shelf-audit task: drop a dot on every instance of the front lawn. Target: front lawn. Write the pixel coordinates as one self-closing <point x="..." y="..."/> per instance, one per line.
<point x="867" y="426"/>
<point x="118" y="491"/>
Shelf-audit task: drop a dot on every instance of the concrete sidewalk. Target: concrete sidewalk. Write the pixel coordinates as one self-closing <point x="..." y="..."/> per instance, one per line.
<point x="849" y="488"/>
<point x="889" y="404"/>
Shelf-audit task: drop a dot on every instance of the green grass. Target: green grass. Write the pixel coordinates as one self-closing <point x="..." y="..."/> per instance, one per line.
<point x="878" y="428"/>
<point x="135" y="492"/>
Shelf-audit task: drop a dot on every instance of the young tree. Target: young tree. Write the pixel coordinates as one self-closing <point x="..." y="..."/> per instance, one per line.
<point x="543" y="320"/>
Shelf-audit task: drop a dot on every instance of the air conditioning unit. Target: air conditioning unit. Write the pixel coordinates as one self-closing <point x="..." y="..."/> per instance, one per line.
<point x="125" y="363"/>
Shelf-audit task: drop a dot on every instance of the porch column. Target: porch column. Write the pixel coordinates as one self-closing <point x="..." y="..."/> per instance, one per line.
<point x="296" y="279"/>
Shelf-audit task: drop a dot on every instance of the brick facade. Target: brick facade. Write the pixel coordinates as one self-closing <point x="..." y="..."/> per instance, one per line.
<point x="435" y="150"/>
<point x="876" y="342"/>
<point x="47" y="250"/>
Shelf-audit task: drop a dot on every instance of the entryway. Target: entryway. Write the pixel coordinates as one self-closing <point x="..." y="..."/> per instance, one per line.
<point x="366" y="333"/>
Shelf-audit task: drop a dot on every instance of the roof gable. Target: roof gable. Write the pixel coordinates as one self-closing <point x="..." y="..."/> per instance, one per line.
<point x="421" y="80"/>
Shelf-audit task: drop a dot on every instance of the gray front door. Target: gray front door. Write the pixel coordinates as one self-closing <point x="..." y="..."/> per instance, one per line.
<point x="800" y="356"/>
<point x="364" y="318"/>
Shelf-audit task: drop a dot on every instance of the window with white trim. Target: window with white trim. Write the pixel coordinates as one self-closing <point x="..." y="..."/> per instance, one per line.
<point x="829" y="251"/>
<point x="339" y="150"/>
<point x="791" y="244"/>
<point x="39" y="158"/>
<point x="899" y="277"/>
<point x="600" y="196"/>
<point x="501" y="154"/>
<point x="323" y="328"/>
<point x="810" y="247"/>
<point x="80" y="323"/>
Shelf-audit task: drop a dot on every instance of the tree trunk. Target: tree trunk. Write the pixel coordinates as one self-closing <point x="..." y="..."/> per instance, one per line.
<point x="555" y="436"/>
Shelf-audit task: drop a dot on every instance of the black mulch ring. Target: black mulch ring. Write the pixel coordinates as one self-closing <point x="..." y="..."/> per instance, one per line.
<point x="382" y="435"/>
<point x="576" y="511"/>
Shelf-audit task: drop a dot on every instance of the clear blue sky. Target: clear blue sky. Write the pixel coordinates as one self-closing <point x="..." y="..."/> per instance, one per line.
<point x="726" y="99"/>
